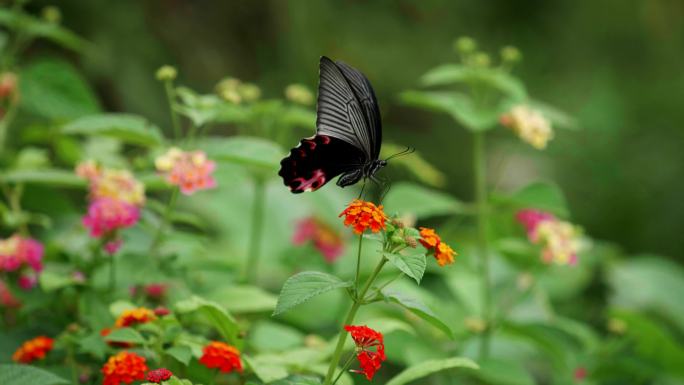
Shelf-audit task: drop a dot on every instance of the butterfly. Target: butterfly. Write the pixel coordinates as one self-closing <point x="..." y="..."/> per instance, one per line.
<point x="348" y="133"/>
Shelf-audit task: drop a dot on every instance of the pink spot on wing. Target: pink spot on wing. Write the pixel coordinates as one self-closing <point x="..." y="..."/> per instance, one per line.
<point x="317" y="180"/>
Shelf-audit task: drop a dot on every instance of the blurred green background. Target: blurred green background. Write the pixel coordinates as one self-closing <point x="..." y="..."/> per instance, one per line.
<point x="614" y="65"/>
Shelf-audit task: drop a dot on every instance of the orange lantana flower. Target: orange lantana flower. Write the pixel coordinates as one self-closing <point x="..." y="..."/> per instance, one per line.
<point x="131" y="317"/>
<point x="222" y="356"/>
<point x="442" y="252"/>
<point x="124" y="367"/>
<point x="362" y="215"/>
<point x="34" y="349"/>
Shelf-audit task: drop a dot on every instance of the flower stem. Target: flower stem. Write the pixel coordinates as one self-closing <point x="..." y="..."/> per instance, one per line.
<point x="112" y="273"/>
<point x="256" y="230"/>
<point x="159" y="235"/>
<point x="358" y="264"/>
<point x="344" y="368"/>
<point x="348" y="321"/>
<point x="480" y="171"/>
<point x="170" y="96"/>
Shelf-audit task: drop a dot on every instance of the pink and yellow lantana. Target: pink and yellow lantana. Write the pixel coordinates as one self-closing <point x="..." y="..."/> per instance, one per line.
<point x="191" y="171"/>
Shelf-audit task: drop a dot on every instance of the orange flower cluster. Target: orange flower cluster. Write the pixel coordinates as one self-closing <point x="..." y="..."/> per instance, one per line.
<point x="124" y="367"/>
<point x="443" y="253"/>
<point x="222" y="356"/>
<point x="362" y="215"/>
<point x="34" y="349"/>
<point x="136" y="316"/>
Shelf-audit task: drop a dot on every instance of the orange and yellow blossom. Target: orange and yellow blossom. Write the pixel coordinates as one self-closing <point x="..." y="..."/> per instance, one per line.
<point x="33" y="349"/>
<point x="135" y="316"/>
<point x="362" y="215"/>
<point x="442" y="252"/>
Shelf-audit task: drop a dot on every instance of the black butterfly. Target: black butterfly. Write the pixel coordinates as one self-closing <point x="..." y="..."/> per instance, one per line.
<point x="348" y="133"/>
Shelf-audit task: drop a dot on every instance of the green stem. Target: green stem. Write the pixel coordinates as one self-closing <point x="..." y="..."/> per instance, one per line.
<point x="344" y="368"/>
<point x="358" y="264"/>
<point x="480" y="170"/>
<point x="170" y="96"/>
<point x="256" y="230"/>
<point x="112" y="273"/>
<point x="159" y="235"/>
<point x="348" y="321"/>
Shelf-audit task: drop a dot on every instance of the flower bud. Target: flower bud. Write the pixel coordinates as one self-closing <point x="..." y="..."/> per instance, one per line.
<point x="465" y="45"/>
<point x="411" y="241"/>
<point x="249" y="92"/>
<point x="52" y="14"/>
<point x="298" y="93"/>
<point x="475" y="324"/>
<point x="617" y="326"/>
<point x="510" y="54"/>
<point x="481" y="59"/>
<point x="166" y="73"/>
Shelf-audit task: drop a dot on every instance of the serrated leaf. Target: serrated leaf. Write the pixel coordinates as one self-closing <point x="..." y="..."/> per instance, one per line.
<point x="181" y="353"/>
<point x="128" y="128"/>
<point x="456" y="73"/>
<point x="12" y="374"/>
<point x="54" y="89"/>
<point x="93" y="344"/>
<point x="303" y="286"/>
<point x="500" y="372"/>
<point x="412" y="263"/>
<point x="37" y="27"/>
<point x="53" y="177"/>
<point x="418" y="308"/>
<point x="422" y="202"/>
<point x="125" y="335"/>
<point x="426" y="368"/>
<point x="216" y="315"/>
<point x="460" y="106"/>
<point x="244" y="299"/>
<point x="265" y="370"/>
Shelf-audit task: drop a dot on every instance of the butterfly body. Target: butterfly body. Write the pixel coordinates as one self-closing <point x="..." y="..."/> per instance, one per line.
<point x="348" y="133"/>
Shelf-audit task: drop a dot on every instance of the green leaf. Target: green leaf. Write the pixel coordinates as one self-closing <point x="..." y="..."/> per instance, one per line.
<point x="461" y="108"/>
<point x="51" y="281"/>
<point x="298" y="380"/>
<point x="426" y="368"/>
<point x="54" y="89"/>
<point x="181" y="353"/>
<point x="541" y="195"/>
<point x="244" y="150"/>
<point x="34" y="26"/>
<point x="125" y="335"/>
<point x="128" y="128"/>
<point x="458" y="74"/>
<point x="52" y="177"/>
<point x="265" y="370"/>
<point x="12" y="374"/>
<point x="303" y="286"/>
<point x="499" y="372"/>
<point x="410" y="198"/>
<point x="416" y="307"/>
<point x="93" y="344"/>
<point x="244" y="299"/>
<point x="215" y="314"/>
<point x="412" y="264"/>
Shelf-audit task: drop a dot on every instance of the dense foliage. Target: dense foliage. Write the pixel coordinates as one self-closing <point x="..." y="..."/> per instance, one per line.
<point x="132" y="253"/>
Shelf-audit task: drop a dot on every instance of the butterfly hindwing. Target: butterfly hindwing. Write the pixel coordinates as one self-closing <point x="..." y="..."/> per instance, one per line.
<point x="317" y="160"/>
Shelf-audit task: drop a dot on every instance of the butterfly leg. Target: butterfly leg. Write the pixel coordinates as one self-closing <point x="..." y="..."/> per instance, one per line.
<point x="384" y="185"/>
<point x="363" y="187"/>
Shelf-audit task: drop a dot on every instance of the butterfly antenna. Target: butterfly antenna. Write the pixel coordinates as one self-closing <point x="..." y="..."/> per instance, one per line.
<point x="408" y="150"/>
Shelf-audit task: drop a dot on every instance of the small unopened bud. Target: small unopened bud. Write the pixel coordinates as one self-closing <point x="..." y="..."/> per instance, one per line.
<point x="73" y="327"/>
<point x="475" y="324"/>
<point x="52" y="14"/>
<point x="481" y="59"/>
<point x="397" y="239"/>
<point x="411" y="242"/>
<point x="465" y="45"/>
<point x="249" y="92"/>
<point x="617" y="326"/>
<point x="166" y="73"/>
<point x="510" y="54"/>
<point x="298" y="93"/>
<point x="397" y="223"/>
<point x="231" y="96"/>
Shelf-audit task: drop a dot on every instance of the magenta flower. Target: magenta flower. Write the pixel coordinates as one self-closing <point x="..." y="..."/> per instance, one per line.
<point x="28" y="281"/>
<point x="17" y="251"/>
<point x="106" y="215"/>
<point x="112" y="247"/>
<point x="324" y="238"/>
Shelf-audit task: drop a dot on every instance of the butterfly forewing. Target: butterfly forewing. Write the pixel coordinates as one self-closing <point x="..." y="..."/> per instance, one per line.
<point x="339" y="113"/>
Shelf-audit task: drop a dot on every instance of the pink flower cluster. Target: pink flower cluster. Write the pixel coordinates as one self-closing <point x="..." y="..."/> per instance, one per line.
<point x="115" y="200"/>
<point x="25" y="254"/>
<point x="324" y="238"/>
<point x="191" y="171"/>
<point x="559" y="239"/>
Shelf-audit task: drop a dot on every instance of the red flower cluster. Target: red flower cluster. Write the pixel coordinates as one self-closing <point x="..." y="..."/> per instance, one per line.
<point x="443" y="253"/>
<point x="362" y="215"/>
<point x="34" y="349"/>
<point x="324" y="237"/>
<point x="158" y="375"/>
<point x="366" y="338"/>
<point x="124" y="367"/>
<point x="222" y="356"/>
<point x="131" y="317"/>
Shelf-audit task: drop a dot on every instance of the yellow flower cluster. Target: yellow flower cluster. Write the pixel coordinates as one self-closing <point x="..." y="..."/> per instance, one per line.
<point x="529" y="124"/>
